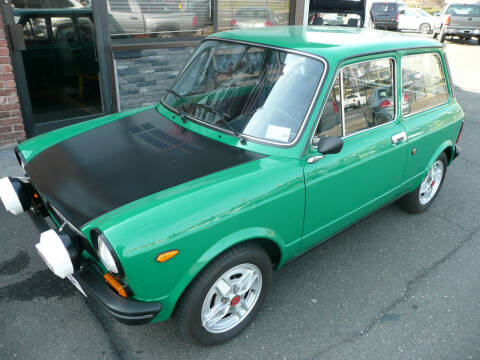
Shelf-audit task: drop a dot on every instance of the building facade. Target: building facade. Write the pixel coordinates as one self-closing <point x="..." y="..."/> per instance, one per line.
<point x="67" y="61"/>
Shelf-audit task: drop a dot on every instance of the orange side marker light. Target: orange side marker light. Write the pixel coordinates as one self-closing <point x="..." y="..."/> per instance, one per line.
<point x="166" y="256"/>
<point x="115" y="285"/>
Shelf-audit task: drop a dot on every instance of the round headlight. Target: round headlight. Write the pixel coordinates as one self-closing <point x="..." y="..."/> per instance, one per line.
<point x="106" y="255"/>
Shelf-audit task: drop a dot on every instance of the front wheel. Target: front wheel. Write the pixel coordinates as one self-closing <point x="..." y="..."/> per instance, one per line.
<point x="225" y="296"/>
<point x="424" y="195"/>
<point x="442" y="36"/>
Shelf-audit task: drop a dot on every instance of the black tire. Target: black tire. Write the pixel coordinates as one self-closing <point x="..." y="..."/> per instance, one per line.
<point x="478" y="40"/>
<point x="442" y="36"/>
<point x="189" y="308"/>
<point x="166" y="32"/>
<point x="435" y="34"/>
<point x="411" y="201"/>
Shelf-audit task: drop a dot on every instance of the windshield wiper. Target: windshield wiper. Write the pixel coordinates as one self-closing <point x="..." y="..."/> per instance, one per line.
<point x="181" y="112"/>
<point x="224" y="117"/>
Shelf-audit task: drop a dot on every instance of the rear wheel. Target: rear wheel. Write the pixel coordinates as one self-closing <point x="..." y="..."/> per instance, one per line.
<point x="478" y="40"/>
<point x="423" y="196"/>
<point x="225" y="297"/>
<point x="425" y="28"/>
<point x="435" y="34"/>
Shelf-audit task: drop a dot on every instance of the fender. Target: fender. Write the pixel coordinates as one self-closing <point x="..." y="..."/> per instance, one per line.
<point x="446" y="144"/>
<point x="219" y="247"/>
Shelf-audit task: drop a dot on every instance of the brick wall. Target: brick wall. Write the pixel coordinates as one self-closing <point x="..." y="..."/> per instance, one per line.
<point x="11" y="122"/>
<point x="144" y="75"/>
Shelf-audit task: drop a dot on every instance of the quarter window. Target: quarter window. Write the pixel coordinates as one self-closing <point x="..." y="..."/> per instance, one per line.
<point x="331" y="120"/>
<point x="423" y="82"/>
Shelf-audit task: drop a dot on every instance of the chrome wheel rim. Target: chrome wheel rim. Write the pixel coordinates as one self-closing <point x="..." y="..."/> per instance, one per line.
<point x="431" y="183"/>
<point x="231" y="298"/>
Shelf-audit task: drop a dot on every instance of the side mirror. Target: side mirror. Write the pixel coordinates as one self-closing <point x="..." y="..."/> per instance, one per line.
<point x="329" y="145"/>
<point x="402" y="12"/>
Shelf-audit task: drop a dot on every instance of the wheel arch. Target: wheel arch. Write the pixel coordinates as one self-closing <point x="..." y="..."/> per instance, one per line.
<point x="273" y="246"/>
<point x="448" y="148"/>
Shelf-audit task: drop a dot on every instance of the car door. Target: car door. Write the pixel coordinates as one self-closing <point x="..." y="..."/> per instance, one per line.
<point x="368" y="172"/>
<point x="407" y="20"/>
<point x="427" y="118"/>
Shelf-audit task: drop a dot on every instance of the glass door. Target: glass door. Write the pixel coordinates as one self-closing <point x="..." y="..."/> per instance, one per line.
<point x="58" y="61"/>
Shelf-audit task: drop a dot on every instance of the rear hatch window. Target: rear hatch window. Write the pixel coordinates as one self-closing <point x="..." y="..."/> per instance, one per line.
<point x="387" y="10"/>
<point x="464" y="10"/>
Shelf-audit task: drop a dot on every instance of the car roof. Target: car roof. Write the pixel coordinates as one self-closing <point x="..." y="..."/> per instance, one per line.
<point x="331" y="42"/>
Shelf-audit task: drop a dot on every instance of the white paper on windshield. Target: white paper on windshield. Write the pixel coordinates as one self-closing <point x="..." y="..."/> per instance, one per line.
<point x="278" y="133"/>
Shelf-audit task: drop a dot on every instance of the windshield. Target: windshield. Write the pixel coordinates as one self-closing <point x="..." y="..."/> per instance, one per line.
<point x="258" y="92"/>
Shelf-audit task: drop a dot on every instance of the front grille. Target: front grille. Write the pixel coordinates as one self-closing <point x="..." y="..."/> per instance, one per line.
<point x="60" y="219"/>
<point x="76" y="235"/>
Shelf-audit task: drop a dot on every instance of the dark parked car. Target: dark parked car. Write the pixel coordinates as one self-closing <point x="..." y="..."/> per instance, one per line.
<point x="351" y="13"/>
<point x="462" y="20"/>
<point x="385" y="15"/>
<point x="381" y="102"/>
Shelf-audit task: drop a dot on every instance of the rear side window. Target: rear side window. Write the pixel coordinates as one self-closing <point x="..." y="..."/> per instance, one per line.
<point x="423" y="83"/>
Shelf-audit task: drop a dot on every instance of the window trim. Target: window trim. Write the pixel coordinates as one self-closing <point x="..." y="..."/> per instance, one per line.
<point x="249" y="137"/>
<point x="444" y="78"/>
<point x="339" y="72"/>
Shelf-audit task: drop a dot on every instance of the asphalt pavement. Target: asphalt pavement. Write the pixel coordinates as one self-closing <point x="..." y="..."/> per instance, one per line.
<point x="394" y="286"/>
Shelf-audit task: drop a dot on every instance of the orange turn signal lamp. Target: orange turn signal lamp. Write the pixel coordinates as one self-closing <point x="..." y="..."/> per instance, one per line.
<point x="115" y="285"/>
<point x="167" y="255"/>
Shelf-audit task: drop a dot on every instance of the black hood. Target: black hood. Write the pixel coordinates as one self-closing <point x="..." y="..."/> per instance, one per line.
<point x="104" y="168"/>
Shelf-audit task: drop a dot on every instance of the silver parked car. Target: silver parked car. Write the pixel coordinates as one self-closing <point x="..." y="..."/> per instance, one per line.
<point x="462" y="20"/>
<point x="253" y="17"/>
<point x="415" y="19"/>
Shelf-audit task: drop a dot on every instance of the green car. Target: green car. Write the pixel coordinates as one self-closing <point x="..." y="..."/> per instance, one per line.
<point x="249" y="160"/>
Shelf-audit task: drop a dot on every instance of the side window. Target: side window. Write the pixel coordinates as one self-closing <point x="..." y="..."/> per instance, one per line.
<point x="423" y="83"/>
<point x="368" y="94"/>
<point x="331" y="119"/>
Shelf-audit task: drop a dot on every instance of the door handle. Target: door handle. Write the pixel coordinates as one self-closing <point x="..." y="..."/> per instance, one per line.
<point x="134" y="18"/>
<point x="314" y="159"/>
<point x="398" y="138"/>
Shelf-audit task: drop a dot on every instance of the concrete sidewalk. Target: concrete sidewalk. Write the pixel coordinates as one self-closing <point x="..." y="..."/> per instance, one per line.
<point x="8" y="164"/>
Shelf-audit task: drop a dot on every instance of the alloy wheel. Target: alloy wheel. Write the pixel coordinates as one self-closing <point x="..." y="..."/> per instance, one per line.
<point x="231" y="298"/>
<point x="424" y="28"/>
<point x="431" y="183"/>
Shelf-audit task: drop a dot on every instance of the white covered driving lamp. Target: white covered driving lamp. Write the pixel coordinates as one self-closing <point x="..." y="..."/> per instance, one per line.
<point x="10" y="196"/>
<point x="105" y="255"/>
<point x="53" y="251"/>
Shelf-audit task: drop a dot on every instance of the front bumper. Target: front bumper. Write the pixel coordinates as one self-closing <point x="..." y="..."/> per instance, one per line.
<point x="457" y="152"/>
<point x="90" y="277"/>
<point x="127" y="311"/>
